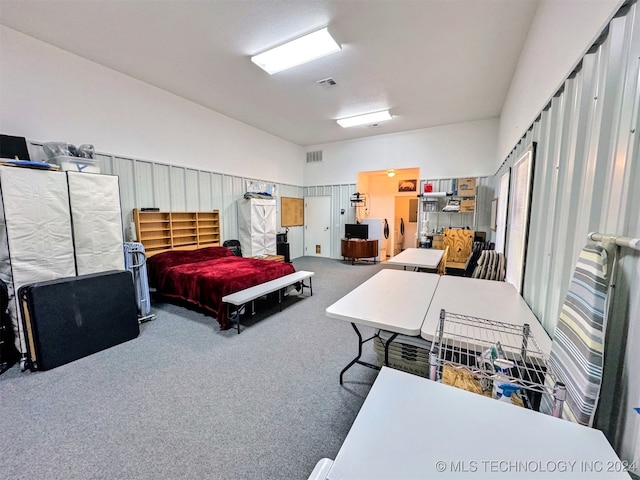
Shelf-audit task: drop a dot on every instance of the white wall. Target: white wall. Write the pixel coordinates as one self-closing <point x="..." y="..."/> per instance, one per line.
<point x="587" y="178"/>
<point x="561" y="33"/>
<point x="48" y="94"/>
<point x="449" y="151"/>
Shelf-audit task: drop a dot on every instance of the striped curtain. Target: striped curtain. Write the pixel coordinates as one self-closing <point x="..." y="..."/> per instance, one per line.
<point x="577" y="352"/>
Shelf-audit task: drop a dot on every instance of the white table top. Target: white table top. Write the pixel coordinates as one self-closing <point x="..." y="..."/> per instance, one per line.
<point x="418" y="258"/>
<point x="394" y="300"/>
<point x="485" y="299"/>
<point x="412" y="428"/>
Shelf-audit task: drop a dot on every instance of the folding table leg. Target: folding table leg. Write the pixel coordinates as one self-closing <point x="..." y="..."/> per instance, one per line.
<point x="386" y="348"/>
<point x="357" y="359"/>
<point x="235" y="316"/>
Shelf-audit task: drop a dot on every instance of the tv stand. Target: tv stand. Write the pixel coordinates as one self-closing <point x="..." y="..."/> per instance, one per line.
<point x="355" y="248"/>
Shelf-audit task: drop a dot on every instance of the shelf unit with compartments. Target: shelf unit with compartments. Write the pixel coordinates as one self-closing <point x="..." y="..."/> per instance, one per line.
<point x="432" y="204"/>
<point x="161" y="231"/>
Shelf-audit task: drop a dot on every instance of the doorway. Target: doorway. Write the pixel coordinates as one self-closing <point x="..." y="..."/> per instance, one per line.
<point x="405" y="225"/>
<point x="317" y="223"/>
<point x="383" y="189"/>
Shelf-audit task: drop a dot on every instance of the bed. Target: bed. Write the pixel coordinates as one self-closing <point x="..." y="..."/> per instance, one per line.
<point x="204" y="276"/>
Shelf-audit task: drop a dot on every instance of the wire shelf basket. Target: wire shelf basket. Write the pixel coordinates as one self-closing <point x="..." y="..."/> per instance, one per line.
<point x="464" y="342"/>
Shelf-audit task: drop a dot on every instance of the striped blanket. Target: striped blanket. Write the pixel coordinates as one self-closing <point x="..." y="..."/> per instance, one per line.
<point x="577" y="352"/>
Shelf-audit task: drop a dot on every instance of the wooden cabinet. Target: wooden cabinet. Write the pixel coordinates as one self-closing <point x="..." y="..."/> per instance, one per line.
<point x="354" y="249"/>
<point x="160" y="231"/>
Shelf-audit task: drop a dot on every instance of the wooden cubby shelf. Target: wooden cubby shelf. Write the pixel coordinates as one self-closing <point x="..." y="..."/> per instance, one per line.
<point x="161" y="231"/>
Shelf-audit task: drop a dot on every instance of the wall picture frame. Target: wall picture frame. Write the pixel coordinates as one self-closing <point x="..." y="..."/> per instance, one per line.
<point x="409" y="185"/>
<point x="494" y="214"/>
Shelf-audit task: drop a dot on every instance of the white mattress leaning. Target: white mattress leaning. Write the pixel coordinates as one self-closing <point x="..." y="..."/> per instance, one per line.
<point x="36" y="242"/>
<point x="103" y="251"/>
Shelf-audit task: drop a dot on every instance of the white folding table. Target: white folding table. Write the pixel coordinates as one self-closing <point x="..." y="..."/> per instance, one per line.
<point x="412" y="428"/>
<point x="417" y="258"/>
<point x="487" y="299"/>
<point x="393" y="300"/>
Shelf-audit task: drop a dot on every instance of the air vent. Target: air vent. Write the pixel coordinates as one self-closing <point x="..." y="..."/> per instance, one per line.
<point x="327" y="83"/>
<point x="314" y="157"/>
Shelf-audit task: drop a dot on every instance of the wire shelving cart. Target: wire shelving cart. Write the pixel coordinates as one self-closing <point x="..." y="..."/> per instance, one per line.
<point x="472" y="344"/>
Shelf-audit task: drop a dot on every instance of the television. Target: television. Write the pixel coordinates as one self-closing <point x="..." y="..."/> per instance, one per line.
<point x="356" y="230"/>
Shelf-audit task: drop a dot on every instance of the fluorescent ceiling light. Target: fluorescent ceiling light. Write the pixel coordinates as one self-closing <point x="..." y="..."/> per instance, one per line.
<point x="368" y="118"/>
<point x="296" y="52"/>
<point x="391" y="173"/>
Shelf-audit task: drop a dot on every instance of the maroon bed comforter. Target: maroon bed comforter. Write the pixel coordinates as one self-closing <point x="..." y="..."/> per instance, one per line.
<point x="202" y="278"/>
<point x="159" y="265"/>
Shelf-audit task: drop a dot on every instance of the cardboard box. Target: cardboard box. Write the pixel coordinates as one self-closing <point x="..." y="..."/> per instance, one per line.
<point x="77" y="164"/>
<point x="467" y="205"/>
<point x="467" y="187"/>
<point x="438" y="242"/>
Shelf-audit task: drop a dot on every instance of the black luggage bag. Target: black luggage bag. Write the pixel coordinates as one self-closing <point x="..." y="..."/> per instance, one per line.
<point x="70" y="318"/>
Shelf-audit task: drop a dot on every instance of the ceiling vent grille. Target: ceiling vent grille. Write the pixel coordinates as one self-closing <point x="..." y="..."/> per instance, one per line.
<point x="314" y="157"/>
<point x="327" y="83"/>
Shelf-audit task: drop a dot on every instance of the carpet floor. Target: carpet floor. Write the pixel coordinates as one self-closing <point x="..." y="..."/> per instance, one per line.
<point x="185" y="400"/>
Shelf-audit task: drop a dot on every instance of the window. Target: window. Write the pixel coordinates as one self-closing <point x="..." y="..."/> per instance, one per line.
<point x="501" y="214"/>
<point x="518" y="215"/>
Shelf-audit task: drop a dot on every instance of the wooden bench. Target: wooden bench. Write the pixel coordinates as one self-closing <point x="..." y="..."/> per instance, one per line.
<point x="241" y="298"/>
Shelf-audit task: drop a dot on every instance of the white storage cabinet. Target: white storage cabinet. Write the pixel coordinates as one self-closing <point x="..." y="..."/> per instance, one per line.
<point x="257" y="226"/>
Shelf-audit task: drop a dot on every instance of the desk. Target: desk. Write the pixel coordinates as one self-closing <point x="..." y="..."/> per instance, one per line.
<point x="408" y="424"/>
<point x="393" y="300"/>
<point x="417" y="258"/>
<point x="485" y="299"/>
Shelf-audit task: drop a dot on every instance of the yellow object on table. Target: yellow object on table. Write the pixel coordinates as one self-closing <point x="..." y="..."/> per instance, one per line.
<point x="464" y="379"/>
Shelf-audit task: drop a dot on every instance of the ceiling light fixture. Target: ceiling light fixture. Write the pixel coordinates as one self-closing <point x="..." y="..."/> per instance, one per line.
<point x="391" y="173"/>
<point x="366" y="119"/>
<point x="296" y="52"/>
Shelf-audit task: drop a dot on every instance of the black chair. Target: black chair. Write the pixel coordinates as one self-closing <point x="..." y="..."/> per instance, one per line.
<point x="234" y="246"/>
<point x="478" y="247"/>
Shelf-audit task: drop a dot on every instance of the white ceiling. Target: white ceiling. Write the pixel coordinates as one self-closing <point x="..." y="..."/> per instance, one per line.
<point x="431" y="62"/>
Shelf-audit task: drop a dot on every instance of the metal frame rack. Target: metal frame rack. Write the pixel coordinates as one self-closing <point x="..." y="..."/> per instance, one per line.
<point x="135" y="261"/>
<point x="461" y="340"/>
<point x="431" y="205"/>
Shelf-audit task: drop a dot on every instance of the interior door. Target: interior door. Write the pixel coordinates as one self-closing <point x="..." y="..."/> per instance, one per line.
<point x="317" y="223"/>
